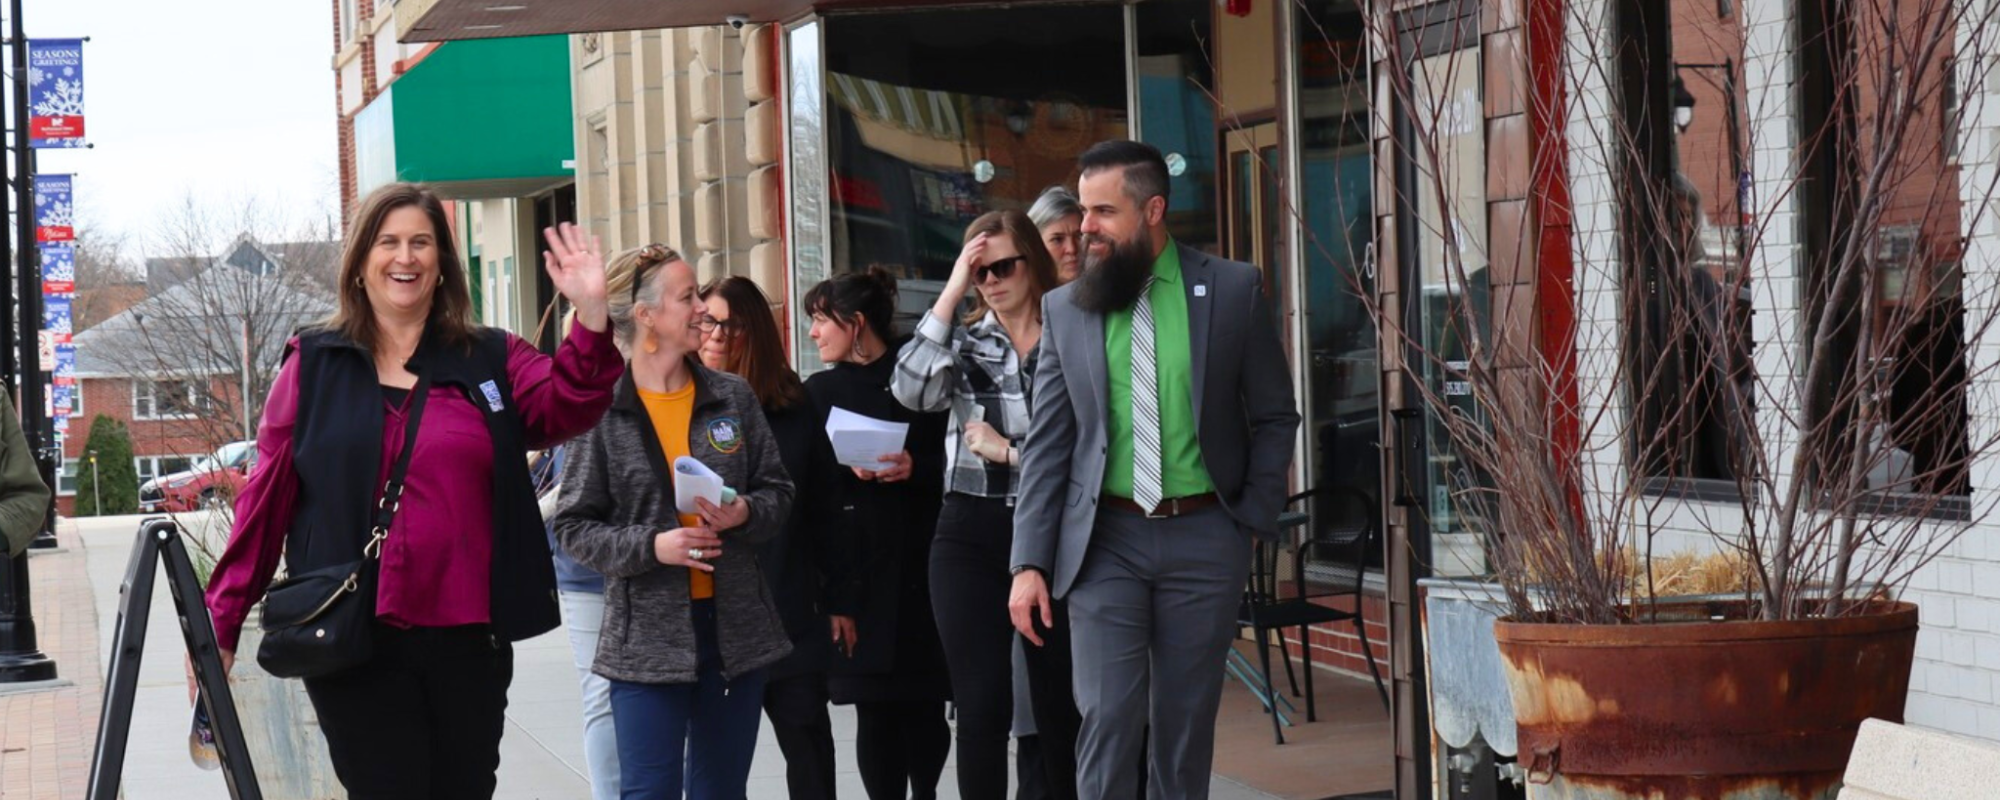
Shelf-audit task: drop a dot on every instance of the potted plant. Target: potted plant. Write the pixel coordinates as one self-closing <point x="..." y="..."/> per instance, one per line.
<point x="1786" y="376"/>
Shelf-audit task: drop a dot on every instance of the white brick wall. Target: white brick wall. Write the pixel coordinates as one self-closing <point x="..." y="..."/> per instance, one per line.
<point x="1955" y="685"/>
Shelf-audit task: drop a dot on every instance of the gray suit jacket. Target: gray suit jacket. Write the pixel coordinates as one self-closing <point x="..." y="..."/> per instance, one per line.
<point x="1245" y="412"/>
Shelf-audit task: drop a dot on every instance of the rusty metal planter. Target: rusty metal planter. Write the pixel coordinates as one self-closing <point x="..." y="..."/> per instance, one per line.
<point x="1688" y="708"/>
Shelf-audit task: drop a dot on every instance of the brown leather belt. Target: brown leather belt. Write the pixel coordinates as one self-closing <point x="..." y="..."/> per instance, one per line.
<point x="1169" y="508"/>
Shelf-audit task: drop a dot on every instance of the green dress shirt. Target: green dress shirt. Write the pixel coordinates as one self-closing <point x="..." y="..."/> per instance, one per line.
<point x="1182" y="473"/>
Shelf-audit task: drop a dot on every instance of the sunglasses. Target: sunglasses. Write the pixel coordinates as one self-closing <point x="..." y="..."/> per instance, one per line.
<point x="1001" y="269"/>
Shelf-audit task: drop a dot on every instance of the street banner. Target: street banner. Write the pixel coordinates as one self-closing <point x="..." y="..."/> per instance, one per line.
<point x="55" y="93"/>
<point x="62" y="427"/>
<point x="58" y="269"/>
<point x="61" y="395"/>
<point x="56" y="318"/>
<point x="55" y="209"/>
<point x="65" y="365"/>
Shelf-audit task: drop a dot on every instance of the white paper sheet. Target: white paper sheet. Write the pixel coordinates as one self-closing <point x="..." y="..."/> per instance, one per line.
<point x="693" y="479"/>
<point x="864" y="442"/>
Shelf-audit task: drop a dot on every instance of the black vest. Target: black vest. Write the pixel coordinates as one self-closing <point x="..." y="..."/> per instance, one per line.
<point x="337" y="451"/>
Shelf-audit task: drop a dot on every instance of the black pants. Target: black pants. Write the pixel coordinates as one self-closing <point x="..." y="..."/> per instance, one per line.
<point x="901" y="748"/>
<point x="969" y="587"/>
<point x="422" y="718"/>
<point x="796" y="707"/>
<point x="1052" y="692"/>
<point x="1030" y="777"/>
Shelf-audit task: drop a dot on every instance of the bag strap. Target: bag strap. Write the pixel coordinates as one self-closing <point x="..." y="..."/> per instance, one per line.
<point x="392" y="492"/>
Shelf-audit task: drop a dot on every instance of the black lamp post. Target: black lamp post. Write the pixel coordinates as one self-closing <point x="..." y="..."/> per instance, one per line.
<point x="21" y="659"/>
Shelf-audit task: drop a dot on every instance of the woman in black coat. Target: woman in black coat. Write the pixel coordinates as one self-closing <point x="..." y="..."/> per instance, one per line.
<point x="892" y="666"/>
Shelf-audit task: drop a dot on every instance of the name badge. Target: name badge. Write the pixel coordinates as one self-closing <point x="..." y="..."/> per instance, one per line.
<point x="492" y="392"/>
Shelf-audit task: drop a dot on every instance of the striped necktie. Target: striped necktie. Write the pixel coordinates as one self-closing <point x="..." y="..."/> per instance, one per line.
<point x="1146" y="482"/>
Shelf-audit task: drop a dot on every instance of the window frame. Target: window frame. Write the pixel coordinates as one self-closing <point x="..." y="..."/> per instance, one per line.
<point x="1827" y="109"/>
<point x="149" y="390"/>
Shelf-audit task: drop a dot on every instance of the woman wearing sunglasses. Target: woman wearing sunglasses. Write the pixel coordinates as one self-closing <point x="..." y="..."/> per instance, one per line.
<point x="978" y="366"/>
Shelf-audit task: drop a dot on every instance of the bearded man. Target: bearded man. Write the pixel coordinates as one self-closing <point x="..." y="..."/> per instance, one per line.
<point x="1161" y="440"/>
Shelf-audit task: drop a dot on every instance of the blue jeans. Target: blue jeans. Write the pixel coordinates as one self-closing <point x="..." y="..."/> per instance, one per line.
<point x="698" y="737"/>
<point x="583" y="616"/>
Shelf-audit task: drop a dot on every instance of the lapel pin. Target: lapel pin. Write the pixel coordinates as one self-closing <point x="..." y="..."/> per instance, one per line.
<point x="1201" y="290"/>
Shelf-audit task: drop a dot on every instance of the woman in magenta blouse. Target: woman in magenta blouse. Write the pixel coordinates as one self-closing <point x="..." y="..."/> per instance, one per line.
<point x="465" y="569"/>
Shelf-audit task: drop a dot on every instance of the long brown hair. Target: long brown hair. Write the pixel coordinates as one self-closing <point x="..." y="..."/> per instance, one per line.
<point x="1028" y="242"/>
<point x="756" y="353"/>
<point x="451" y="320"/>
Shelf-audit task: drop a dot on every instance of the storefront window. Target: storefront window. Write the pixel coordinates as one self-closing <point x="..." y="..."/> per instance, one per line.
<point x="1337" y="237"/>
<point x="1177" y="110"/>
<point x="806" y="92"/>
<point x="968" y="111"/>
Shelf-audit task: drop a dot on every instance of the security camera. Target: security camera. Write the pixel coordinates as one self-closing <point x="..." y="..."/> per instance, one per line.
<point x="737" y="21"/>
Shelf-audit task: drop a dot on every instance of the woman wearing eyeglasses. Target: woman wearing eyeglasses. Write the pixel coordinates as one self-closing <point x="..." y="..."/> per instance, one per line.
<point x="740" y="336"/>
<point x="690" y="626"/>
<point x="978" y="366"/>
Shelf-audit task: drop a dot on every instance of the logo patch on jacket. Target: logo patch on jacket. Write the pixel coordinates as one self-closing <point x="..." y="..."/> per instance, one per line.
<point x="725" y="435"/>
<point x="492" y="391"/>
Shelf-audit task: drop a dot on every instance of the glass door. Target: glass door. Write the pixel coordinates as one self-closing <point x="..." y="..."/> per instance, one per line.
<point x="1336" y="230"/>
<point x="1253" y="214"/>
<point x="1444" y="181"/>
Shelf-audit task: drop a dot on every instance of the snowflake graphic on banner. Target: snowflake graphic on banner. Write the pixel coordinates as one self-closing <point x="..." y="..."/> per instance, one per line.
<point x="66" y="100"/>
<point x="57" y="214"/>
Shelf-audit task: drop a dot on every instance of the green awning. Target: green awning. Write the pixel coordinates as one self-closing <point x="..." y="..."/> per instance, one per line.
<point x="474" y="119"/>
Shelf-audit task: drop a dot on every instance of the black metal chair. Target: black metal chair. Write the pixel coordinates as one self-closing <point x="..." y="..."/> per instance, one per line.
<point x="1328" y="563"/>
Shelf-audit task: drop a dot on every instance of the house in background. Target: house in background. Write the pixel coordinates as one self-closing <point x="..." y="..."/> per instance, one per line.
<point x="187" y="368"/>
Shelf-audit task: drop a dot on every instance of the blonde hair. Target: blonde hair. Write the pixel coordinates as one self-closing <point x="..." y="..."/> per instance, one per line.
<point x="619" y="275"/>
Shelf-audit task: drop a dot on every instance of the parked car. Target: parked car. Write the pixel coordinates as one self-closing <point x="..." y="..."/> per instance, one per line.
<point x="211" y="480"/>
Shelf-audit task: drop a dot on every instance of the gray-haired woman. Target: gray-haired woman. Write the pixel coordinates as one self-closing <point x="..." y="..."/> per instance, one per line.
<point x="1059" y="217"/>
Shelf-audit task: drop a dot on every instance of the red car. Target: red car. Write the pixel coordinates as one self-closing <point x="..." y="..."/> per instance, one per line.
<point x="213" y="479"/>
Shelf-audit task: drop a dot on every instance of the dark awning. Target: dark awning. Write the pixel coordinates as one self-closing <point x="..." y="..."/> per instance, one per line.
<point x="448" y="20"/>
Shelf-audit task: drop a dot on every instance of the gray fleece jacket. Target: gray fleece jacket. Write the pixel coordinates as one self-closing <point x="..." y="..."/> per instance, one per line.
<point x="617" y="496"/>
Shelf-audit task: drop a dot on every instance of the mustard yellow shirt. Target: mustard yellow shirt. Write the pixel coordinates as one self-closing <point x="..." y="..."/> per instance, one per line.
<point x="671" y="413"/>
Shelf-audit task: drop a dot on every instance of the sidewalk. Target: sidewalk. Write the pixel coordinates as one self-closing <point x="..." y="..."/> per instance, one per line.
<point x="47" y="737"/>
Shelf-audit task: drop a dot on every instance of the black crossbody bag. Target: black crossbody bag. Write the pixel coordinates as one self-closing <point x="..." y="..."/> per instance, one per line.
<point x="321" y="622"/>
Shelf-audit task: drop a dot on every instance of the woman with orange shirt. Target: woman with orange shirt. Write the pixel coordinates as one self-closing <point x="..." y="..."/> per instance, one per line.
<point x="690" y="626"/>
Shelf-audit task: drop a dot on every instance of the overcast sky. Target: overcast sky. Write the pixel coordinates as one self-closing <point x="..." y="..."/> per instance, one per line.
<point x="230" y="101"/>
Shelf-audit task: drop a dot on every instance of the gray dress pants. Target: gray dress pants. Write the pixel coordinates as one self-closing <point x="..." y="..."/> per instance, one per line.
<point x="1154" y="610"/>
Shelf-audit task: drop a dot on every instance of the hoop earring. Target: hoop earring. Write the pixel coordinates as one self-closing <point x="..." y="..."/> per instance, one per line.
<point x="651" y="344"/>
<point x="357" y="282"/>
<point x="440" y="279"/>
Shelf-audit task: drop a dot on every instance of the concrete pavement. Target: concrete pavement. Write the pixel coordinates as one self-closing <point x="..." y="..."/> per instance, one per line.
<point x="541" y="751"/>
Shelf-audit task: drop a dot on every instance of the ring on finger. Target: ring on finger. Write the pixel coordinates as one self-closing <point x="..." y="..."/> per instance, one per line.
<point x="694" y="553"/>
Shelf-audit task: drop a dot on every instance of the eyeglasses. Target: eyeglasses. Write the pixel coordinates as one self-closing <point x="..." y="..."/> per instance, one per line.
<point x="731" y="328"/>
<point x="650" y="256"/>
<point x="999" y="269"/>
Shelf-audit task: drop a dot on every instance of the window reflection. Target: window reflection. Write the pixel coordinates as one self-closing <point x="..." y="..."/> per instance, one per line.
<point x="926" y="136"/>
<point x="1338" y="220"/>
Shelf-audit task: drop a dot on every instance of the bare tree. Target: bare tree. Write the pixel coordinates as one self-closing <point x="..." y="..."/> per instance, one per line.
<point x="1785" y="366"/>
<point x="107" y="281"/>
<point x="229" y="291"/>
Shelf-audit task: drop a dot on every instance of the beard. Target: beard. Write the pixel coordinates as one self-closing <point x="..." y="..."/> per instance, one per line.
<point x="1113" y="282"/>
